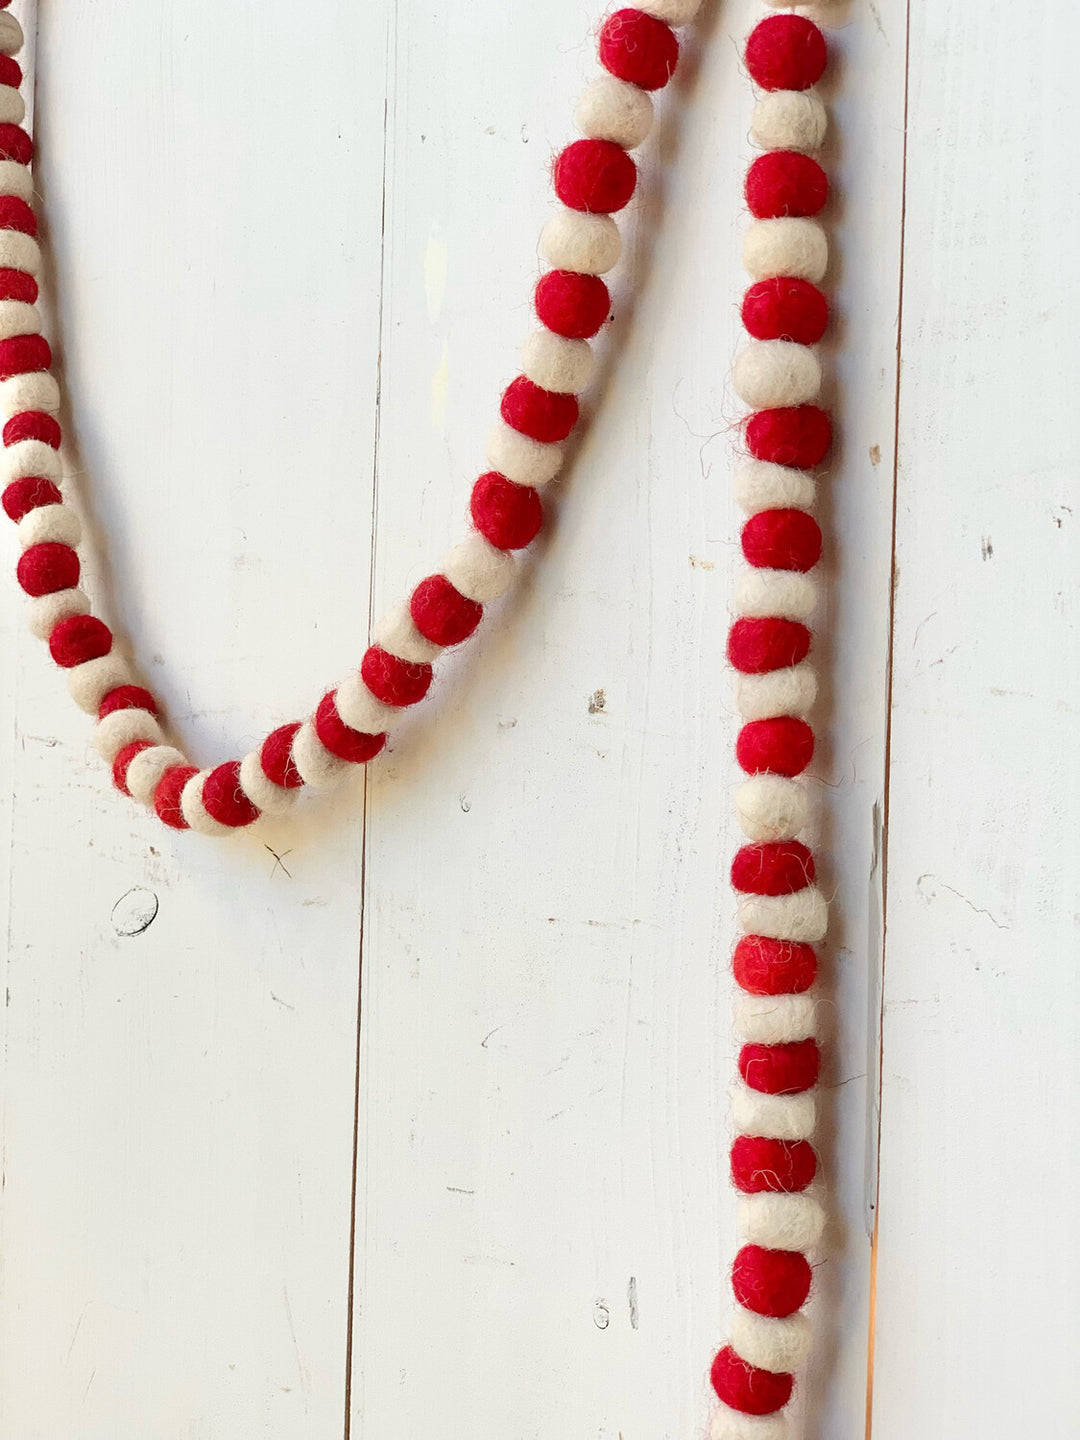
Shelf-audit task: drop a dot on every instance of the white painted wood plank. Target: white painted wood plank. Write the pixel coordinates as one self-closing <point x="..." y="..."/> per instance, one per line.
<point x="178" y="1105"/>
<point x="976" y="1310"/>
<point x="546" y="1041"/>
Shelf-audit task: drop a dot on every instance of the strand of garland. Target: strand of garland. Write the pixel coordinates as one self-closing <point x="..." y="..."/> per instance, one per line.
<point x="782" y="914"/>
<point x="594" y="178"/>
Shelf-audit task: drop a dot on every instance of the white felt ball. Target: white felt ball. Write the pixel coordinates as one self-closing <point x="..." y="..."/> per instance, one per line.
<point x="56" y="524"/>
<point x="555" y="363"/>
<point x="396" y="633"/>
<point x="12" y="106"/>
<point x="11" y="35"/>
<point x="259" y="788"/>
<point x="525" y="461"/>
<point x="761" y="485"/>
<point x="30" y="457"/>
<point x="317" y="767"/>
<point x="91" y="681"/>
<point x="779" y="1345"/>
<point x="786" y="247"/>
<point x="781" y="1222"/>
<point x="761" y="592"/>
<point x="122" y="727"/>
<point x="196" y="813"/>
<point x="776" y="1117"/>
<point x="15" y="179"/>
<point x="775" y="1019"/>
<point x="36" y="390"/>
<point x="790" y="691"/>
<point x="18" y="318"/>
<point x="44" y="612"/>
<point x="771" y="808"/>
<point x="802" y="916"/>
<point x="361" y="710"/>
<point x="728" y="1424"/>
<point x="615" y="110"/>
<point x="19" y="251"/>
<point x="144" y="772"/>
<point x="789" y="120"/>
<point x="588" y="244"/>
<point x="672" y="12"/>
<point x="770" y="373"/>
<point x="478" y="570"/>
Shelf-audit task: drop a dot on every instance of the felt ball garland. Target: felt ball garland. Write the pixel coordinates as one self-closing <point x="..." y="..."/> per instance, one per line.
<point x="781" y="911"/>
<point x="593" y="178"/>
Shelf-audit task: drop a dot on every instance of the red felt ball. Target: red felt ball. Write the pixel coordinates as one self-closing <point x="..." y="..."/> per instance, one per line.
<point x="275" y="757"/>
<point x="786" y="52"/>
<point x="224" y="800"/>
<point x="127" y="697"/>
<point x="508" y="516"/>
<point x="44" y="569"/>
<point x="394" y="681"/>
<point x="342" y="740"/>
<point x="442" y="614"/>
<point x="32" y="425"/>
<point x="28" y="493"/>
<point x="16" y="214"/>
<point x="782" y="540"/>
<point x="547" y="415"/>
<point x="785" y="308"/>
<point x="798" y="435"/>
<point x="639" y="48"/>
<point x="597" y="176"/>
<point x="746" y="1388"/>
<point x="571" y="304"/>
<point x="756" y="645"/>
<point x="781" y="1069"/>
<point x="123" y="759"/>
<point x="784" y="182"/>
<point x="779" y="868"/>
<point x="79" y="638"/>
<point x="20" y="354"/>
<point x="10" y="70"/>
<point x="783" y="745"/>
<point x="760" y="1165"/>
<point x="771" y="1282"/>
<point x="763" y="966"/>
<point x="15" y="144"/>
<point x="17" y="285"/>
<point x="167" y="795"/>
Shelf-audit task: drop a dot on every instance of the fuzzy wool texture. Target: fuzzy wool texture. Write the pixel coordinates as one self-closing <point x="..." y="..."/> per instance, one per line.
<point x="120" y="728"/>
<point x="19" y="252"/>
<point x="555" y="363"/>
<point x="613" y="109"/>
<point x="396" y="632"/>
<point x="11" y="34"/>
<point x="15" y="179"/>
<point x="769" y="373"/>
<point x="91" y="681"/>
<point x="781" y="1222"/>
<point x="49" y="524"/>
<point x="478" y="570"/>
<point x="525" y="461"/>
<point x="195" y="812"/>
<point x="788" y="246"/>
<point x="144" y="772"/>
<point x="260" y="789"/>
<point x="728" y="1424"/>
<point x="36" y="390"/>
<point x="18" y="318"/>
<point x="771" y="808"/>
<point x="44" y="612"/>
<point x="573" y="240"/>
<point x="760" y="591"/>
<point x="789" y="120"/>
<point x="781" y="1344"/>
<point x="317" y="767"/>
<point x="29" y="457"/>
<point x="12" y="106"/>
<point x="803" y="916"/>
<point x="776" y="1019"/>
<point x="788" y="691"/>
<point x="672" y="12"/>
<point x="762" y="485"/>
<point x="775" y="1117"/>
<point x="360" y="709"/>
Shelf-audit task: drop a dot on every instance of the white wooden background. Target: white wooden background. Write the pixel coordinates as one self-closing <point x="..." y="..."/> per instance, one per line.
<point x="412" y="1119"/>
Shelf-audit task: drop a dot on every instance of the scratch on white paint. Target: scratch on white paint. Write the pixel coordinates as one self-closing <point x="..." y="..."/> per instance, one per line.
<point x="439" y="384"/>
<point x="435" y="274"/>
